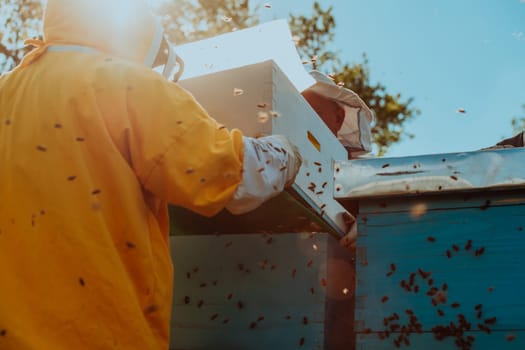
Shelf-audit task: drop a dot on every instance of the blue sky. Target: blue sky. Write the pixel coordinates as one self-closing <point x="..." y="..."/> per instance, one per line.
<point x="447" y="55"/>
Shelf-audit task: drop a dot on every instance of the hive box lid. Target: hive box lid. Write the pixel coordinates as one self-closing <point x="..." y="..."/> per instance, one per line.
<point x="268" y="41"/>
<point x="437" y="173"/>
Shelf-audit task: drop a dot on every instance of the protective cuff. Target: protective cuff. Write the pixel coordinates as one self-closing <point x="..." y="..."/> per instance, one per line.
<point x="269" y="165"/>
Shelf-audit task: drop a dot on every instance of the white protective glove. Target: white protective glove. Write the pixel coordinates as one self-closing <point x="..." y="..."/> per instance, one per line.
<point x="270" y="165"/>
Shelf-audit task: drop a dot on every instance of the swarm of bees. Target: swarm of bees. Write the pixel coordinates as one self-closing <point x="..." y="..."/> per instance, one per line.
<point x="421" y="280"/>
<point x="240" y="305"/>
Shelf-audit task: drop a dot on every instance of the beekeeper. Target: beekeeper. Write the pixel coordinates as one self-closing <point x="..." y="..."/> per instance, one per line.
<point x="93" y="145"/>
<point x="343" y="111"/>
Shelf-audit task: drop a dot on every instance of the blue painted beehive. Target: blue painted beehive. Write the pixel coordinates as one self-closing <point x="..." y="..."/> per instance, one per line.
<point x="440" y="249"/>
<point x="271" y="278"/>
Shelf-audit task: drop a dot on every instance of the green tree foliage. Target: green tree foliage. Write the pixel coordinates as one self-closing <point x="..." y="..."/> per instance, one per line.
<point x="189" y="20"/>
<point x="391" y="111"/>
<point x="313" y="34"/>
<point x="19" y="20"/>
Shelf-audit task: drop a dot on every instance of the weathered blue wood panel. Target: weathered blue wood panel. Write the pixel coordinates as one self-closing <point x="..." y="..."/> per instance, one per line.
<point x="419" y="205"/>
<point x="512" y="340"/>
<point x="450" y="261"/>
<point x="260" y="291"/>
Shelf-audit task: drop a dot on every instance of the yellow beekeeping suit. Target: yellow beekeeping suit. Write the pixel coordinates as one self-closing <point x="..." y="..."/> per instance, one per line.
<point x="93" y="144"/>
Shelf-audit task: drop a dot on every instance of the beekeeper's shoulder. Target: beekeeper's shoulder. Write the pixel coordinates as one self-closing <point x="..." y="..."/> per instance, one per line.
<point x="119" y="73"/>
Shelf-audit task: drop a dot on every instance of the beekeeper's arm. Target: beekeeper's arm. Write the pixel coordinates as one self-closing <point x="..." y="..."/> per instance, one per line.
<point x="185" y="157"/>
<point x="270" y="164"/>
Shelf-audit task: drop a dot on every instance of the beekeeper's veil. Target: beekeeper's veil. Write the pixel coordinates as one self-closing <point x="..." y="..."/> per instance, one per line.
<point x="355" y="132"/>
<point x="123" y="28"/>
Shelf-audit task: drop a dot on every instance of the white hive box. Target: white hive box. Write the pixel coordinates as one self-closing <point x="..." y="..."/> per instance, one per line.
<point x="238" y="98"/>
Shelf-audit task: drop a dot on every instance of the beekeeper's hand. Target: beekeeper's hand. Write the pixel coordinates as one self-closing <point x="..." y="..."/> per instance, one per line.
<point x="294" y="157"/>
<point x="270" y="164"/>
<point x="350" y="239"/>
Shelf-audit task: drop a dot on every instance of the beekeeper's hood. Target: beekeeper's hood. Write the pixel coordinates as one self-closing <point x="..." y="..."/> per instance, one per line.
<point x="355" y="132"/>
<point x="122" y="28"/>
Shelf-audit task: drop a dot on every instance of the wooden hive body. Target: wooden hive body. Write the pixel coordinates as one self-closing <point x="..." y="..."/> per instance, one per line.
<point x="466" y="240"/>
<point x="261" y="291"/>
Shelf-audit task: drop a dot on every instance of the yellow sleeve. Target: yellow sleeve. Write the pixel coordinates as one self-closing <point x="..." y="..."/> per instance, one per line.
<point x="177" y="150"/>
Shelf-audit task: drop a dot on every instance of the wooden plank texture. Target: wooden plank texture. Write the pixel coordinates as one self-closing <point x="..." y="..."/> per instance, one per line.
<point x="469" y="249"/>
<point x="259" y="291"/>
<point x="481" y="200"/>
<point x="512" y="340"/>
